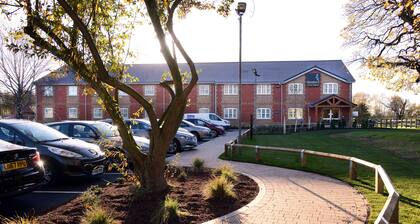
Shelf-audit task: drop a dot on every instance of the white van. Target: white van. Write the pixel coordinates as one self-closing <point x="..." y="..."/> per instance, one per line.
<point x="210" y="117"/>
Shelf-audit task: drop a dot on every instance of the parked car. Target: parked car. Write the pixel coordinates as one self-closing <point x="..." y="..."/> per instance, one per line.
<point x="210" y="117"/>
<point x="97" y="132"/>
<point x="200" y="132"/>
<point x="183" y="138"/>
<point x="62" y="155"/>
<point x="21" y="169"/>
<point x="215" y="130"/>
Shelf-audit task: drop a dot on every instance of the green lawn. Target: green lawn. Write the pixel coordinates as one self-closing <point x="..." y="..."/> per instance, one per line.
<point x="398" y="151"/>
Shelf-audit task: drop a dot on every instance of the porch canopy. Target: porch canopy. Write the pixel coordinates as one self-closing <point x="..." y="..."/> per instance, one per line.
<point x="332" y="101"/>
<point x="331" y="108"/>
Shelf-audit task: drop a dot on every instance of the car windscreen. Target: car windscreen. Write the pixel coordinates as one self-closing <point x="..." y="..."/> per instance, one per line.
<point x="106" y="130"/>
<point x="39" y="132"/>
<point x="188" y="123"/>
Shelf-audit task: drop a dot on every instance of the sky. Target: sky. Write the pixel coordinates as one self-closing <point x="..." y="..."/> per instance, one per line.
<point x="273" y="30"/>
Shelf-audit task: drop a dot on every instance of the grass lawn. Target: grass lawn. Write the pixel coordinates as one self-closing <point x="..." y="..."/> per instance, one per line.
<point x="398" y="151"/>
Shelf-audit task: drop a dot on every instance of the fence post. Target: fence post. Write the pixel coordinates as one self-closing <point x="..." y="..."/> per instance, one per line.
<point x="302" y="157"/>
<point x="395" y="214"/>
<point x="379" y="184"/>
<point x="226" y="149"/>
<point x="257" y="153"/>
<point x="352" y="170"/>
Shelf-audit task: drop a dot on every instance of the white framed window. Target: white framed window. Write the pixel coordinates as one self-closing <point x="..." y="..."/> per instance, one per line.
<point x="72" y="113"/>
<point x="121" y="93"/>
<point x="230" y="113"/>
<point x="203" y="110"/>
<point x="48" y="91"/>
<point x="149" y="90"/>
<point x="72" y="91"/>
<point x="48" y="112"/>
<point x="97" y="113"/>
<point x="203" y="90"/>
<point x="295" y="113"/>
<point x="230" y="89"/>
<point x="124" y="112"/>
<point x="263" y="89"/>
<point x="295" y="88"/>
<point x="330" y="88"/>
<point x="263" y="113"/>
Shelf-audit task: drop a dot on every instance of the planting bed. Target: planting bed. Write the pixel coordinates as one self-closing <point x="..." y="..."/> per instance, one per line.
<point x="119" y="200"/>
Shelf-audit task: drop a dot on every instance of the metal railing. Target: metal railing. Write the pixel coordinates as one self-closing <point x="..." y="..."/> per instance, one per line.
<point x="389" y="212"/>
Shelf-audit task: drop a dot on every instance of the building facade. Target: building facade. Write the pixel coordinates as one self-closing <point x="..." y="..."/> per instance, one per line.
<point x="291" y="92"/>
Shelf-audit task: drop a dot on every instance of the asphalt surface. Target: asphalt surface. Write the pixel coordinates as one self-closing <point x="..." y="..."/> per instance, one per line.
<point x="46" y="198"/>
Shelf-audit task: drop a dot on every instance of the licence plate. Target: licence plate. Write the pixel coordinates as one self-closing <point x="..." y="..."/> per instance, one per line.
<point x="98" y="170"/>
<point x="14" y="165"/>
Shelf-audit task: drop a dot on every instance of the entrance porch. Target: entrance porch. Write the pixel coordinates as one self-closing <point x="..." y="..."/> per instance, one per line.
<point x="332" y="111"/>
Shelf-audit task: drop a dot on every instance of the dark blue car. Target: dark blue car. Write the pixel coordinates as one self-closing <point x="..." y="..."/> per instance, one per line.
<point x="62" y="155"/>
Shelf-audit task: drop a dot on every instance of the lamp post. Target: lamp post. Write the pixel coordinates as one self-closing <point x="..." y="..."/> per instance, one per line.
<point x="256" y="75"/>
<point x="240" y="10"/>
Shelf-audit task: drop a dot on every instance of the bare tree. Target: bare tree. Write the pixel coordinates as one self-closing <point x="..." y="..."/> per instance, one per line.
<point x="397" y="106"/>
<point x="387" y="34"/>
<point x="18" y="73"/>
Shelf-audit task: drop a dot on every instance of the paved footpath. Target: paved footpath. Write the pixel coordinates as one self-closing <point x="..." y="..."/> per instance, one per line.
<point x="286" y="196"/>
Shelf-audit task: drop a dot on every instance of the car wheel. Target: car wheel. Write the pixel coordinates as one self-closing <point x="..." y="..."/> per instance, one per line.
<point x="50" y="173"/>
<point x="213" y="133"/>
<point x="175" y="147"/>
<point x="196" y="135"/>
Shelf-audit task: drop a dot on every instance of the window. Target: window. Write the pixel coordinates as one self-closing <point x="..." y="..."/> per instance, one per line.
<point x="295" y="113"/>
<point x="97" y="113"/>
<point x="149" y="90"/>
<point x="203" y="110"/>
<point x="263" y="113"/>
<point x="121" y="93"/>
<point x="48" y="91"/>
<point x="48" y="112"/>
<point x="295" y="88"/>
<point x="330" y="88"/>
<point x="72" y="113"/>
<point x="72" y="91"/>
<point x="63" y="128"/>
<point x="203" y="90"/>
<point x="230" y="89"/>
<point x="230" y="113"/>
<point x="124" y="112"/>
<point x="263" y="89"/>
<point x="83" y="131"/>
<point x="10" y="136"/>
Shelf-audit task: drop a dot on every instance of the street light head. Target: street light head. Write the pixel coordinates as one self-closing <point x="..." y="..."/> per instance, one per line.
<point x="240" y="9"/>
<point x="254" y="70"/>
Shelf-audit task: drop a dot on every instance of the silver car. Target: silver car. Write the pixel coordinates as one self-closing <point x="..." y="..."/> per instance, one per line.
<point x="200" y="132"/>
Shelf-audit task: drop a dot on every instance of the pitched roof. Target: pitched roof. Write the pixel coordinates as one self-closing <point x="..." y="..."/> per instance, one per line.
<point x="227" y="72"/>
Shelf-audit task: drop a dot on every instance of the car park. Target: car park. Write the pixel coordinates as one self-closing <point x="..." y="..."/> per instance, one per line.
<point x="62" y="155"/>
<point x="97" y="132"/>
<point x="183" y="138"/>
<point x="210" y="117"/>
<point x="21" y="169"/>
<point x="215" y="130"/>
<point x="200" y="132"/>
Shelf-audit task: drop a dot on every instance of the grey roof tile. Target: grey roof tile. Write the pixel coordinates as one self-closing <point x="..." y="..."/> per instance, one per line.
<point x="227" y="72"/>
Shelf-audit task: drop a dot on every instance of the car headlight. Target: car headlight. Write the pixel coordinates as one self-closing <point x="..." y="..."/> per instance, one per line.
<point x="220" y="127"/>
<point x="98" y="151"/>
<point x="64" y="153"/>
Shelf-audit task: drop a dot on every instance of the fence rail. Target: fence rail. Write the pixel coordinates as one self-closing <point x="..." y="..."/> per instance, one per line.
<point x="404" y="123"/>
<point x="389" y="212"/>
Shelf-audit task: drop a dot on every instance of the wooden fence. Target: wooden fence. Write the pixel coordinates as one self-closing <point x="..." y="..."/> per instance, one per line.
<point x="389" y="212"/>
<point x="390" y="123"/>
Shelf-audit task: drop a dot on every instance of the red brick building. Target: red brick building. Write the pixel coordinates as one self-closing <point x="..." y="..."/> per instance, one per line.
<point x="305" y="92"/>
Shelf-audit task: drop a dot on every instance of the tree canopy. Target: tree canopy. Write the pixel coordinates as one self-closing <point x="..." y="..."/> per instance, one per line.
<point x="386" y="34"/>
<point x="90" y="37"/>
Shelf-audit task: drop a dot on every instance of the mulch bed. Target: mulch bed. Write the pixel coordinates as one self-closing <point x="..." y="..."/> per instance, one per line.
<point x="119" y="201"/>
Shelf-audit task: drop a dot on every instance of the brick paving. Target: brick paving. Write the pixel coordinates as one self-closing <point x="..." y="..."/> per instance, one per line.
<point x="286" y="196"/>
